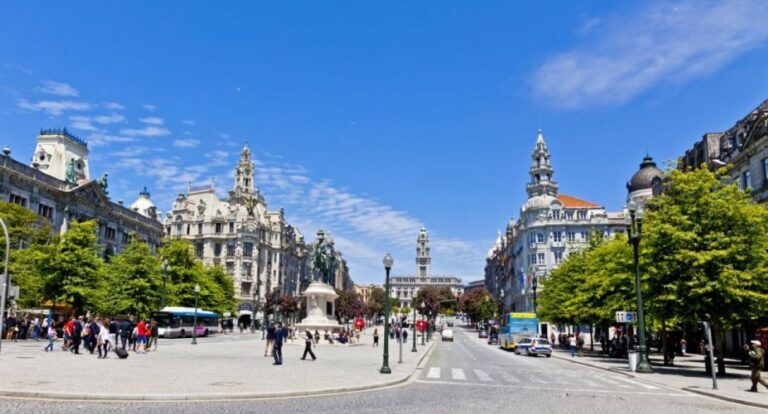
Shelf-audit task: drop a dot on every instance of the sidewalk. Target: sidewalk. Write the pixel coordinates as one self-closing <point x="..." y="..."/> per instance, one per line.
<point x="687" y="374"/>
<point x="220" y="367"/>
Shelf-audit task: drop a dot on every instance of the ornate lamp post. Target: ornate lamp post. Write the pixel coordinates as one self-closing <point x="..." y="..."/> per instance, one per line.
<point x="165" y="267"/>
<point x="6" y="279"/>
<point x="253" y="310"/>
<point x="414" y="329"/>
<point x="535" y="287"/>
<point x="634" y="231"/>
<point x="194" y="327"/>
<point x="388" y="262"/>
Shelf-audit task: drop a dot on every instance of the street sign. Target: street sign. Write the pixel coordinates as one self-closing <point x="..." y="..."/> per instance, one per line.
<point x="421" y="325"/>
<point x="626" y="317"/>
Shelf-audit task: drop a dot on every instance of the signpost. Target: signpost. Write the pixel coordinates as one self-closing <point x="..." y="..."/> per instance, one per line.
<point x="626" y="317"/>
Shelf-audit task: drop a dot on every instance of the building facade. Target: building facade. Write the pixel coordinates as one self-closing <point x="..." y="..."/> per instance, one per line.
<point x="57" y="185"/>
<point x="550" y="227"/>
<point x="405" y="288"/>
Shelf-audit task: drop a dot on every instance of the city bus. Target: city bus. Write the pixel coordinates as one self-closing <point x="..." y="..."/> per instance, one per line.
<point x="176" y="322"/>
<point x="514" y="327"/>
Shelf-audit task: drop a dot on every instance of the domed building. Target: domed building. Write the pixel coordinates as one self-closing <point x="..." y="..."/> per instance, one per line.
<point x="641" y="186"/>
<point x="551" y="226"/>
<point x="144" y="205"/>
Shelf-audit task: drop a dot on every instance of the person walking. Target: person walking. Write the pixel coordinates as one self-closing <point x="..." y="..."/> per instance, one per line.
<point x="102" y="339"/>
<point x="375" y="338"/>
<point x="125" y="332"/>
<point x="51" y="337"/>
<point x="77" y="336"/>
<point x="405" y="336"/>
<point x="572" y="343"/>
<point x="756" y="363"/>
<point x="153" y="335"/>
<point x="580" y="344"/>
<point x="141" y="337"/>
<point x="309" y="342"/>
<point x="277" y="346"/>
<point x="271" y="330"/>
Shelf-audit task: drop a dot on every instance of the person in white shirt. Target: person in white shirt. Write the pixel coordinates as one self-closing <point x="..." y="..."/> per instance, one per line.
<point x="102" y="339"/>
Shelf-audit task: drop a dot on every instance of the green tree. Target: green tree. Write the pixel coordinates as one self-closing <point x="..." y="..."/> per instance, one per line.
<point x="349" y="305"/>
<point x="706" y="244"/>
<point x="376" y="301"/>
<point x="134" y="277"/>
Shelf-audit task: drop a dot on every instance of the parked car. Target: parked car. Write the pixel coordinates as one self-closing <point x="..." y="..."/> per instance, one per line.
<point x="447" y="335"/>
<point x="534" y="347"/>
<point x="482" y="333"/>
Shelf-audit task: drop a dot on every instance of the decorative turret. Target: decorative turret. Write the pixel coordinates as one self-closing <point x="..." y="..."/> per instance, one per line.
<point x="541" y="171"/>
<point x="423" y="260"/>
<point x="244" y="172"/>
<point x="144" y="205"/>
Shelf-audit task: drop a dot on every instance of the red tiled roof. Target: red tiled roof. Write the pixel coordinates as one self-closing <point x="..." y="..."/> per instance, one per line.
<point x="570" y="201"/>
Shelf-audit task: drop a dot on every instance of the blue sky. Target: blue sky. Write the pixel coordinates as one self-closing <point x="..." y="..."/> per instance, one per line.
<point x="371" y="119"/>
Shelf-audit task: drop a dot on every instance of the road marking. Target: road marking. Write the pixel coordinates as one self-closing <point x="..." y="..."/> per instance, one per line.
<point x="483" y="376"/>
<point x="434" y="372"/>
<point x="646" y="386"/>
<point x="509" y="378"/>
<point x="574" y="390"/>
<point x="458" y="374"/>
<point x="612" y="382"/>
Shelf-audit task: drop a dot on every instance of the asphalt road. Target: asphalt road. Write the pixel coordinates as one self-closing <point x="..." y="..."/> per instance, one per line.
<point x="466" y="376"/>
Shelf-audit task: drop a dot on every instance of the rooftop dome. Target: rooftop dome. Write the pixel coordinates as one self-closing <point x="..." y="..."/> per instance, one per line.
<point x="143" y="205"/>
<point x="644" y="178"/>
<point x="539" y="202"/>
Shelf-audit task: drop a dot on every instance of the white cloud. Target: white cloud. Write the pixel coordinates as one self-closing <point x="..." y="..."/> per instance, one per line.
<point x="186" y="143"/>
<point x="54" y="108"/>
<point x="639" y="49"/>
<point x="112" y="118"/>
<point x="149" y="107"/>
<point x="113" y="105"/>
<point x="57" y="88"/>
<point x="188" y="122"/>
<point x="148" y="131"/>
<point x="153" y="120"/>
<point x="103" y="138"/>
<point x="84" y="123"/>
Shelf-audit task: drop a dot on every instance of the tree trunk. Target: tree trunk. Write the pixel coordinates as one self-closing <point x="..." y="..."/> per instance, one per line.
<point x="591" y="337"/>
<point x="717" y="333"/>
<point x="664" y="342"/>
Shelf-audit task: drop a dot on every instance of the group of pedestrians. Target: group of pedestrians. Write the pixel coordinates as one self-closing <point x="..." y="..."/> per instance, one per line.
<point x="25" y="327"/>
<point x="102" y="335"/>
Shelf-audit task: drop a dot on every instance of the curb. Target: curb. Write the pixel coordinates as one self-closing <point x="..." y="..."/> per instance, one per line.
<point x="700" y="391"/>
<point x="573" y="361"/>
<point x="220" y="397"/>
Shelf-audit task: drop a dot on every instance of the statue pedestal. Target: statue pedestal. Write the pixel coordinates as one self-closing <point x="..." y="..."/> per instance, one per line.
<point x="320" y="309"/>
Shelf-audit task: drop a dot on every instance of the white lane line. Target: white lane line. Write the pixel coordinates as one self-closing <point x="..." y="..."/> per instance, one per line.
<point x="644" y="385"/>
<point x="434" y="372"/>
<point x="482" y="376"/>
<point x="458" y="374"/>
<point x="577" y="390"/>
<point x="509" y="378"/>
<point x="612" y="382"/>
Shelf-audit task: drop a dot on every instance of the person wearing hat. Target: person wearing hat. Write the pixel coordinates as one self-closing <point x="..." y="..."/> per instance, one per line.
<point x="756" y="363"/>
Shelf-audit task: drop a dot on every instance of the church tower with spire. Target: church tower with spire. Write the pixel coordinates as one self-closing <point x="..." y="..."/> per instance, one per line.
<point x="244" y="172"/>
<point x="541" y="171"/>
<point x="423" y="260"/>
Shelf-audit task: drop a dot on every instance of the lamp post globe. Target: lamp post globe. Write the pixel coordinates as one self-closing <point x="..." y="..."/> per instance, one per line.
<point x="388" y="263"/>
<point x="194" y="325"/>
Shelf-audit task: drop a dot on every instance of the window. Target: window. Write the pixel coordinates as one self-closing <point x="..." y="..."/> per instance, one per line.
<point x="110" y="233"/>
<point x="218" y="228"/>
<point x="17" y="199"/>
<point x="199" y="228"/>
<point x="557" y="236"/>
<point x="539" y="237"/>
<point x="247" y="267"/>
<point x="747" y="178"/>
<point x="569" y="215"/>
<point x="126" y="238"/>
<point x="247" y="249"/>
<point x="584" y="236"/>
<point x="188" y="226"/>
<point x="217" y="249"/>
<point x="230" y="249"/>
<point x="541" y="258"/>
<point x="531" y="259"/>
<point x="245" y="289"/>
<point x="199" y="250"/>
<point x="558" y="256"/>
<point x="230" y="268"/>
<point x="571" y="236"/>
<point x="168" y="230"/>
<point x="178" y="229"/>
<point x="582" y="215"/>
<point x="556" y="214"/>
<point x="232" y="227"/>
<point x="45" y="211"/>
<point x="765" y="169"/>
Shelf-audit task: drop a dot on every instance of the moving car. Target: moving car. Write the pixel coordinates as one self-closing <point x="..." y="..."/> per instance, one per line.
<point x="447" y="335"/>
<point x="533" y="347"/>
<point x="493" y="337"/>
<point x="482" y="333"/>
<point x="450" y="324"/>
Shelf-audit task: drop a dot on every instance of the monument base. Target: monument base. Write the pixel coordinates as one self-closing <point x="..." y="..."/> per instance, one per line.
<point x="320" y="309"/>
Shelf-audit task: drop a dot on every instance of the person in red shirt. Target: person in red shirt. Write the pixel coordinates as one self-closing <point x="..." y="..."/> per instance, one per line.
<point x="141" y="336"/>
<point x="68" y="328"/>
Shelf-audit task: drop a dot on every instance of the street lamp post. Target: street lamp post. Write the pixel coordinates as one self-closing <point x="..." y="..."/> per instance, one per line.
<point x="535" y="288"/>
<point x="253" y="311"/>
<point x="414" y="329"/>
<point x="194" y="327"/>
<point x="634" y="231"/>
<point x="165" y="267"/>
<point x="388" y="262"/>
<point x="6" y="279"/>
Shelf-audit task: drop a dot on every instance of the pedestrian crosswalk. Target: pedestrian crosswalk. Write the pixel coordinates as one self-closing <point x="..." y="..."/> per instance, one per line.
<point x="533" y="378"/>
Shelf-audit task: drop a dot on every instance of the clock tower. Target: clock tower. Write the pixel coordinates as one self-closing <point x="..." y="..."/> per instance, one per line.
<point x="423" y="261"/>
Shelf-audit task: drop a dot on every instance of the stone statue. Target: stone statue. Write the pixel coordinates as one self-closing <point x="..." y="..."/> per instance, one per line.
<point x="321" y="261"/>
<point x="70" y="176"/>
<point x="103" y="184"/>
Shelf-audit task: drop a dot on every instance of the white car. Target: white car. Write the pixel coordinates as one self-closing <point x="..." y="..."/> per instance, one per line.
<point x="447" y="335"/>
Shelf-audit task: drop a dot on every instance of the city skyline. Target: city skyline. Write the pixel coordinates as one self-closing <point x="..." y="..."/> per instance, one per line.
<point x="383" y="124"/>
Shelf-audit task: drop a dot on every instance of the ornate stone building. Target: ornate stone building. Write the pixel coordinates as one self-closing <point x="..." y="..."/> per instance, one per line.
<point x="405" y="288"/>
<point x="58" y="187"/>
<point x="550" y="226"/>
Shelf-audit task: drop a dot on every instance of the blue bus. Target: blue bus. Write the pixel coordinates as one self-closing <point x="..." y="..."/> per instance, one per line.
<point x="515" y="326"/>
<point x="177" y="322"/>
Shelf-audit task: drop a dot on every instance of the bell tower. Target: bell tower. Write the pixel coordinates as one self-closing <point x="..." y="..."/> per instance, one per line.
<point x="423" y="261"/>
<point x="244" y="172"/>
<point x="58" y="151"/>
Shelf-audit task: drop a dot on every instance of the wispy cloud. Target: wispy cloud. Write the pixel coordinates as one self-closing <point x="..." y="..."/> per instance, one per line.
<point x="101" y="138"/>
<point x="149" y="107"/>
<point x="147" y="131"/>
<point x="84" y="123"/>
<point x="57" y="88"/>
<point x="636" y="50"/>
<point x="113" y="105"/>
<point x="54" y="108"/>
<point x="188" y="122"/>
<point x="186" y="143"/>
<point x="112" y="118"/>
<point x="153" y="120"/>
